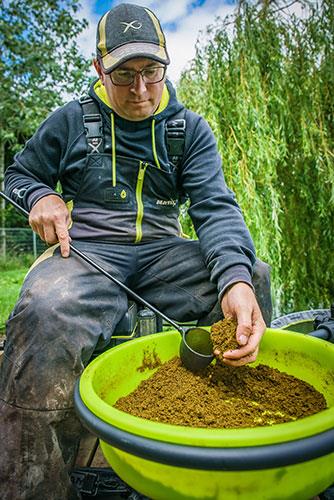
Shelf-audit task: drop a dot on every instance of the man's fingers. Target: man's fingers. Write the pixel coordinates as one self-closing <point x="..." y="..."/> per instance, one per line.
<point x="244" y="331"/>
<point x="64" y="240"/>
<point x="50" y="236"/>
<point x="38" y="230"/>
<point x="241" y="352"/>
<point x="238" y="357"/>
<point x="245" y="327"/>
<point x="251" y="348"/>
<point x="49" y="218"/>
<point x="242" y="361"/>
<point x="246" y="350"/>
<point x="240" y="301"/>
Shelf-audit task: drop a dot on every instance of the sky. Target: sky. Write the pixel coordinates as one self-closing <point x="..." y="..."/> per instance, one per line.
<point x="181" y="20"/>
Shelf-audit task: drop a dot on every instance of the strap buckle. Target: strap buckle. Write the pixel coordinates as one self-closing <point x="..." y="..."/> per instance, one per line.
<point x="175" y="131"/>
<point x="93" y="125"/>
<point x="176" y="127"/>
<point x="84" y="99"/>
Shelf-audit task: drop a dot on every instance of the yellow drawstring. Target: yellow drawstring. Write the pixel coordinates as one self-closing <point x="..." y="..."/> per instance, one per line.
<point x="153" y="145"/>
<point x="113" y="143"/>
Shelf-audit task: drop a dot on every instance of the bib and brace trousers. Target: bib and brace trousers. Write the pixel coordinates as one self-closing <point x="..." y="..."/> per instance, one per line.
<point x="67" y="311"/>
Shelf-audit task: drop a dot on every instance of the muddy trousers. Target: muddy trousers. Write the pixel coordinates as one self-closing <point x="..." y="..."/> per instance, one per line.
<point x="66" y="312"/>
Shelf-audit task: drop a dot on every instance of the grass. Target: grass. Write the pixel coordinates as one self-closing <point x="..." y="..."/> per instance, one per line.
<point x="10" y="284"/>
<point x="12" y="273"/>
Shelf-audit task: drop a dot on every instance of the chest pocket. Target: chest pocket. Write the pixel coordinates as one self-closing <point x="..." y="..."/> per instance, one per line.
<point x="160" y="189"/>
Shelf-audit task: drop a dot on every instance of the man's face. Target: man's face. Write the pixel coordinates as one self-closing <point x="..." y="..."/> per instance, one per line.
<point x="138" y="100"/>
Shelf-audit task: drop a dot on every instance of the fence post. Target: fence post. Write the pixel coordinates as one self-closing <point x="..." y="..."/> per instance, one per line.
<point x="3" y="242"/>
<point x="21" y="240"/>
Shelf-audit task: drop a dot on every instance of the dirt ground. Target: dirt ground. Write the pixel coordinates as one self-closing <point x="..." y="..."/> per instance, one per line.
<point x="221" y="396"/>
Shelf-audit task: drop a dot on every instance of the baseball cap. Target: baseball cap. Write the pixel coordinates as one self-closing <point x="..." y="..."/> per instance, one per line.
<point x="129" y="31"/>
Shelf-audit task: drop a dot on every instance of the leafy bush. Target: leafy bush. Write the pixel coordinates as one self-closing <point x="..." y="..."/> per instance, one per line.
<point x="267" y="91"/>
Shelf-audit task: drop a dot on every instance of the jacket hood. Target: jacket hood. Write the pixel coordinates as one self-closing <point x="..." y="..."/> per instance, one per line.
<point x="169" y="105"/>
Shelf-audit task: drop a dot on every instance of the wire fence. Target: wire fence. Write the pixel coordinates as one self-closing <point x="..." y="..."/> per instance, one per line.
<point x="18" y="241"/>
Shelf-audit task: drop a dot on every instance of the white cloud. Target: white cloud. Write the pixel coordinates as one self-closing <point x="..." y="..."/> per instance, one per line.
<point x="170" y="10"/>
<point x="87" y="39"/>
<point x="180" y="43"/>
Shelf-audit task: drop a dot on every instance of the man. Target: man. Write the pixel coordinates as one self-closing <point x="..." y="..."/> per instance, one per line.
<point x="120" y="198"/>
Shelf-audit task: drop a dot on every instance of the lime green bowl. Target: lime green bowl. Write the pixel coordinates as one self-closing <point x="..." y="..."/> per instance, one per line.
<point x="293" y="460"/>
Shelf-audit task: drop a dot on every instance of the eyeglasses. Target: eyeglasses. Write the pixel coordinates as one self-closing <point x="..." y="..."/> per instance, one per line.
<point x="124" y="77"/>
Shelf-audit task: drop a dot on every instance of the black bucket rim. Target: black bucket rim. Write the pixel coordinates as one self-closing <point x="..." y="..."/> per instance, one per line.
<point x="296" y="317"/>
<point x="196" y="457"/>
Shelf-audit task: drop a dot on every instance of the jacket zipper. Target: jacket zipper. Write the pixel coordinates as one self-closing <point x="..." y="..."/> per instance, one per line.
<point x="140" y="206"/>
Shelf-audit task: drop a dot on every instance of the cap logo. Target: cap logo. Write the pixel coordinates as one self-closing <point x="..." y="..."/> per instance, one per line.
<point x="132" y="25"/>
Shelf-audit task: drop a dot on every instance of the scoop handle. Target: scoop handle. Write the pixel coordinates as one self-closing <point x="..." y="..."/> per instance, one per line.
<point x="94" y="264"/>
<point x="124" y="287"/>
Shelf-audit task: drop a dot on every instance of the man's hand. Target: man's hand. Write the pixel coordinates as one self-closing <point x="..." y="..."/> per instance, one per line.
<point x="240" y="303"/>
<point x="49" y="218"/>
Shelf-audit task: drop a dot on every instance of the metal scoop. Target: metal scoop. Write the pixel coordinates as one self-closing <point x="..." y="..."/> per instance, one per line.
<point x="196" y="346"/>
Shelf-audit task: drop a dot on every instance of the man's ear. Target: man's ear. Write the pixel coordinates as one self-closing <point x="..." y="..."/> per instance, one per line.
<point x="98" y="70"/>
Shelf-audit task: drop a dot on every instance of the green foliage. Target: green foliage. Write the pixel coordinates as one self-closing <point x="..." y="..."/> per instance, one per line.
<point x="39" y="63"/>
<point x="13" y="218"/>
<point x="267" y="92"/>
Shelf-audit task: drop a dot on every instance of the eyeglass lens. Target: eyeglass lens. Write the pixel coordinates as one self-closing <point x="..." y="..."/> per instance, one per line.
<point x="152" y="74"/>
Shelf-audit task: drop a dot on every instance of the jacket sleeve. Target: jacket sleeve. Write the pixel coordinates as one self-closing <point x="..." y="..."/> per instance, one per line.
<point x="36" y="169"/>
<point x="225" y="241"/>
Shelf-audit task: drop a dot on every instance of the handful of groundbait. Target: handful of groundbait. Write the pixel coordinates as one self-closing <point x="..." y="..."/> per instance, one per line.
<point x="223" y="337"/>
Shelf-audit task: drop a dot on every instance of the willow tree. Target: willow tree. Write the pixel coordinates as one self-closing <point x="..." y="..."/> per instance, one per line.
<point x="264" y="80"/>
<point x="39" y="64"/>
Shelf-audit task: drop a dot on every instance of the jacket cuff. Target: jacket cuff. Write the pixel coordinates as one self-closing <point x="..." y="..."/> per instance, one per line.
<point x="35" y="196"/>
<point x="232" y="275"/>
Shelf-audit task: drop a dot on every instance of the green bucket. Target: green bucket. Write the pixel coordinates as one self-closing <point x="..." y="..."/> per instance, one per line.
<point x="285" y="461"/>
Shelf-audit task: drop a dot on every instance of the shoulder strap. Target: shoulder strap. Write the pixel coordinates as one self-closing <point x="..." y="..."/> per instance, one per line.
<point x="92" y="121"/>
<point x="175" y="137"/>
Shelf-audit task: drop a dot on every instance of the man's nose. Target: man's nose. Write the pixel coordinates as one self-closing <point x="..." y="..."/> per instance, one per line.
<point x="138" y="86"/>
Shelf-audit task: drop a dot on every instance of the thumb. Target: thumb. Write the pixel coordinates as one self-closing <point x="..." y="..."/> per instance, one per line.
<point x="244" y="328"/>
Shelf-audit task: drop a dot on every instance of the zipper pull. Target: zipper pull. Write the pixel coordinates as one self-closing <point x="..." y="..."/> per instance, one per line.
<point x="142" y="169"/>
